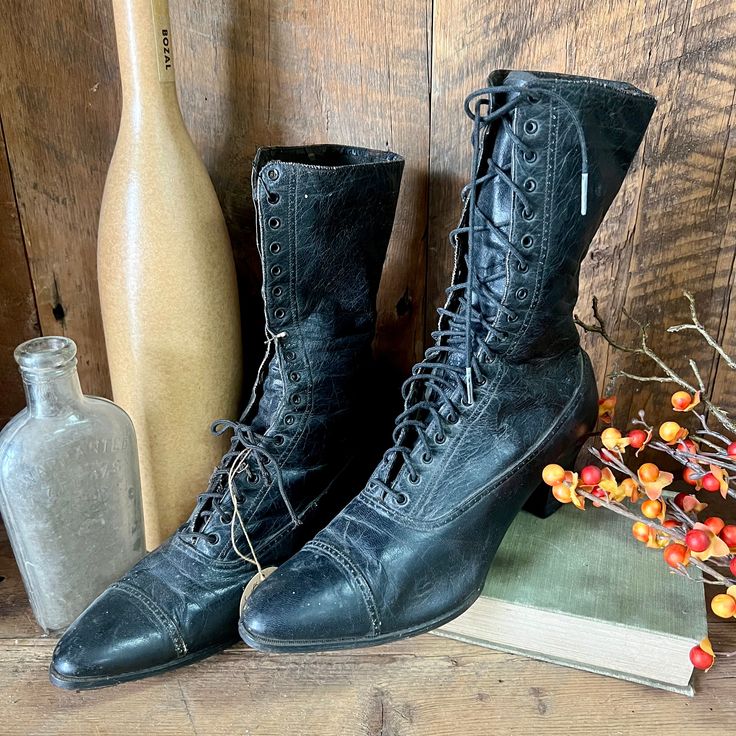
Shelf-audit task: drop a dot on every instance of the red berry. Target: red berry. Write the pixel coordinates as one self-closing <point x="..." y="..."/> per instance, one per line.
<point x="728" y="534"/>
<point x="732" y="566"/>
<point x="689" y="475"/>
<point x="679" y="500"/>
<point x="590" y="475"/>
<point x="700" y="658"/>
<point x="676" y="554"/>
<point x="697" y="540"/>
<point x="731" y="449"/>
<point x="715" y="524"/>
<point x="686" y="446"/>
<point x="711" y="483"/>
<point x="671" y="524"/>
<point x="638" y="437"/>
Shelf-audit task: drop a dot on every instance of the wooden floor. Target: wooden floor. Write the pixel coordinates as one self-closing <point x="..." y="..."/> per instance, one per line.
<point x="425" y="686"/>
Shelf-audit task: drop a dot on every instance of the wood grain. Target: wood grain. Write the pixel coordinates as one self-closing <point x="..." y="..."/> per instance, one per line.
<point x="426" y="686"/>
<point x="669" y="228"/>
<point x="18" y="316"/>
<point x="248" y="76"/>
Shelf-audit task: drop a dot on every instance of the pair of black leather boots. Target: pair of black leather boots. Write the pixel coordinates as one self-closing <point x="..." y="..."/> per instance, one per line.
<point x="504" y="390"/>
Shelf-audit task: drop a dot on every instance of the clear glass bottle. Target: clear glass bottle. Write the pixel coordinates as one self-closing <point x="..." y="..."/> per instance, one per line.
<point x="69" y="486"/>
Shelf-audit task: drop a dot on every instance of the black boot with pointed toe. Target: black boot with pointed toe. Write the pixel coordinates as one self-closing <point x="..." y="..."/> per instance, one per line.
<point x="504" y="390"/>
<point x="324" y="218"/>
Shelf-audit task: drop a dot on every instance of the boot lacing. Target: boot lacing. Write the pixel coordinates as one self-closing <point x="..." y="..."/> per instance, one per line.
<point x="245" y="443"/>
<point x="436" y="376"/>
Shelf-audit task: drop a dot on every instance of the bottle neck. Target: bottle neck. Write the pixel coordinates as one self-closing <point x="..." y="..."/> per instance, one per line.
<point x="52" y="395"/>
<point x="145" y="54"/>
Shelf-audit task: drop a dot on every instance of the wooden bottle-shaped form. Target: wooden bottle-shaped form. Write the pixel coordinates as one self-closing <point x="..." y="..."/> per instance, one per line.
<point x="166" y="279"/>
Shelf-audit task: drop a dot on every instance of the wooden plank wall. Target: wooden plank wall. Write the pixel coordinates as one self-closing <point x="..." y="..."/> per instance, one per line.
<point x="384" y="75"/>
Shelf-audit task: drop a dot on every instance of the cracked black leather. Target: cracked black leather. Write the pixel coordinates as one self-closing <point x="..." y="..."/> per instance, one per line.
<point x="413" y="549"/>
<point x="324" y="215"/>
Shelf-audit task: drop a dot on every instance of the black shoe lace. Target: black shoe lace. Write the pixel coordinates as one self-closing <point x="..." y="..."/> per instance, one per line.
<point x="434" y="382"/>
<point x="245" y="444"/>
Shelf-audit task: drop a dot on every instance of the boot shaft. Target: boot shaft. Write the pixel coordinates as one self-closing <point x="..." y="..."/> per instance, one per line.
<point x="565" y="144"/>
<point x="325" y="215"/>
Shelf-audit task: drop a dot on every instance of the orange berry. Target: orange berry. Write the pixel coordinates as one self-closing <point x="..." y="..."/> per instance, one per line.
<point x="715" y="524"/>
<point x="553" y="474"/>
<point x="671" y="524"/>
<point x="640" y="530"/>
<point x="562" y="493"/>
<point x="628" y="486"/>
<point x="651" y="509"/>
<point x="649" y="472"/>
<point x="610" y="436"/>
<point x="676" y="554"/>
<point x="681" y="400"/>
<point x="668" y="431"/>
<point x="723" y="605"/>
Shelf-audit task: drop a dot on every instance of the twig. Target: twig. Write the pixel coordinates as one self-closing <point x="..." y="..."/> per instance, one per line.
<point x="698" y="326"/>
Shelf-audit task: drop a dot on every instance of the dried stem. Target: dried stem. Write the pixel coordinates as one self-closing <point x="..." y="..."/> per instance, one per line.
<point x="670" y="375"/>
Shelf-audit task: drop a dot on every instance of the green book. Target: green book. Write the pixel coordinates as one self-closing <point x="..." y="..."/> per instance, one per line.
<point x="577" y="589"/>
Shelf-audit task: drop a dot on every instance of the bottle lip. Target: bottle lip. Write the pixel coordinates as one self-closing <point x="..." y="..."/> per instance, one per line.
<point x="46" y="355"/>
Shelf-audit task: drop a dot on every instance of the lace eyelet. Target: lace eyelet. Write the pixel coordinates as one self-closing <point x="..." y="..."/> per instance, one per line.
<point x="274" y="223"/>
<point x="530" y="185"/>
<point x="275" y="247"/>
<point x="294" y="376"/>
<point x="290" y="355"/>
<point x="213" y="539"/>
<point x="273" y="174"/>
<point x="289" y="420"/>
<point x="277" y="291"/>
<point x="296" y="399"/>
<point x="278" y="439"/>
<point x="527" y="241"/>
<point x="273" y="197"/>
<point x="465" y="402"/>
<point x="279" y="313"/>
<point x="413" y="479"/>
<point x="401" y="499"/>
<point x="531" y="127"/>
<point x="453" y="419"/>
<point x="427" y="458"/>
<point x="226" y="519"/>
<point x="440" y="439"/>
<point x="512" y="317"/>
<point x="522" y="266"/>
<point x="275" y="270"/>
<point x="530" y="156"/>
<point x="532" y="99"/>
<point x="527" y="214"/>
<point x="522" y="294"/>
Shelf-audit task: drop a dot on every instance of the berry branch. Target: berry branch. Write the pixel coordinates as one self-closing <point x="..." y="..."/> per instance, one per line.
<point x="669" y="522"/>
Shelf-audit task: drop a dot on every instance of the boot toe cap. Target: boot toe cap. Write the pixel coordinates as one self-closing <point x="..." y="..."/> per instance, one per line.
<point x="315" y="601"/>
<point x="120" y="636"/>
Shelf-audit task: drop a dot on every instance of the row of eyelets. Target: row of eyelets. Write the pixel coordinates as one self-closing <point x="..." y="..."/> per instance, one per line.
<point x="274" y="223"/>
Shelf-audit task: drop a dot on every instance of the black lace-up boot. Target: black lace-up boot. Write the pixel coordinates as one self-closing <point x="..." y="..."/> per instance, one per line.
<point x="505" y="389"/>
<point x="325" y="215"/>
